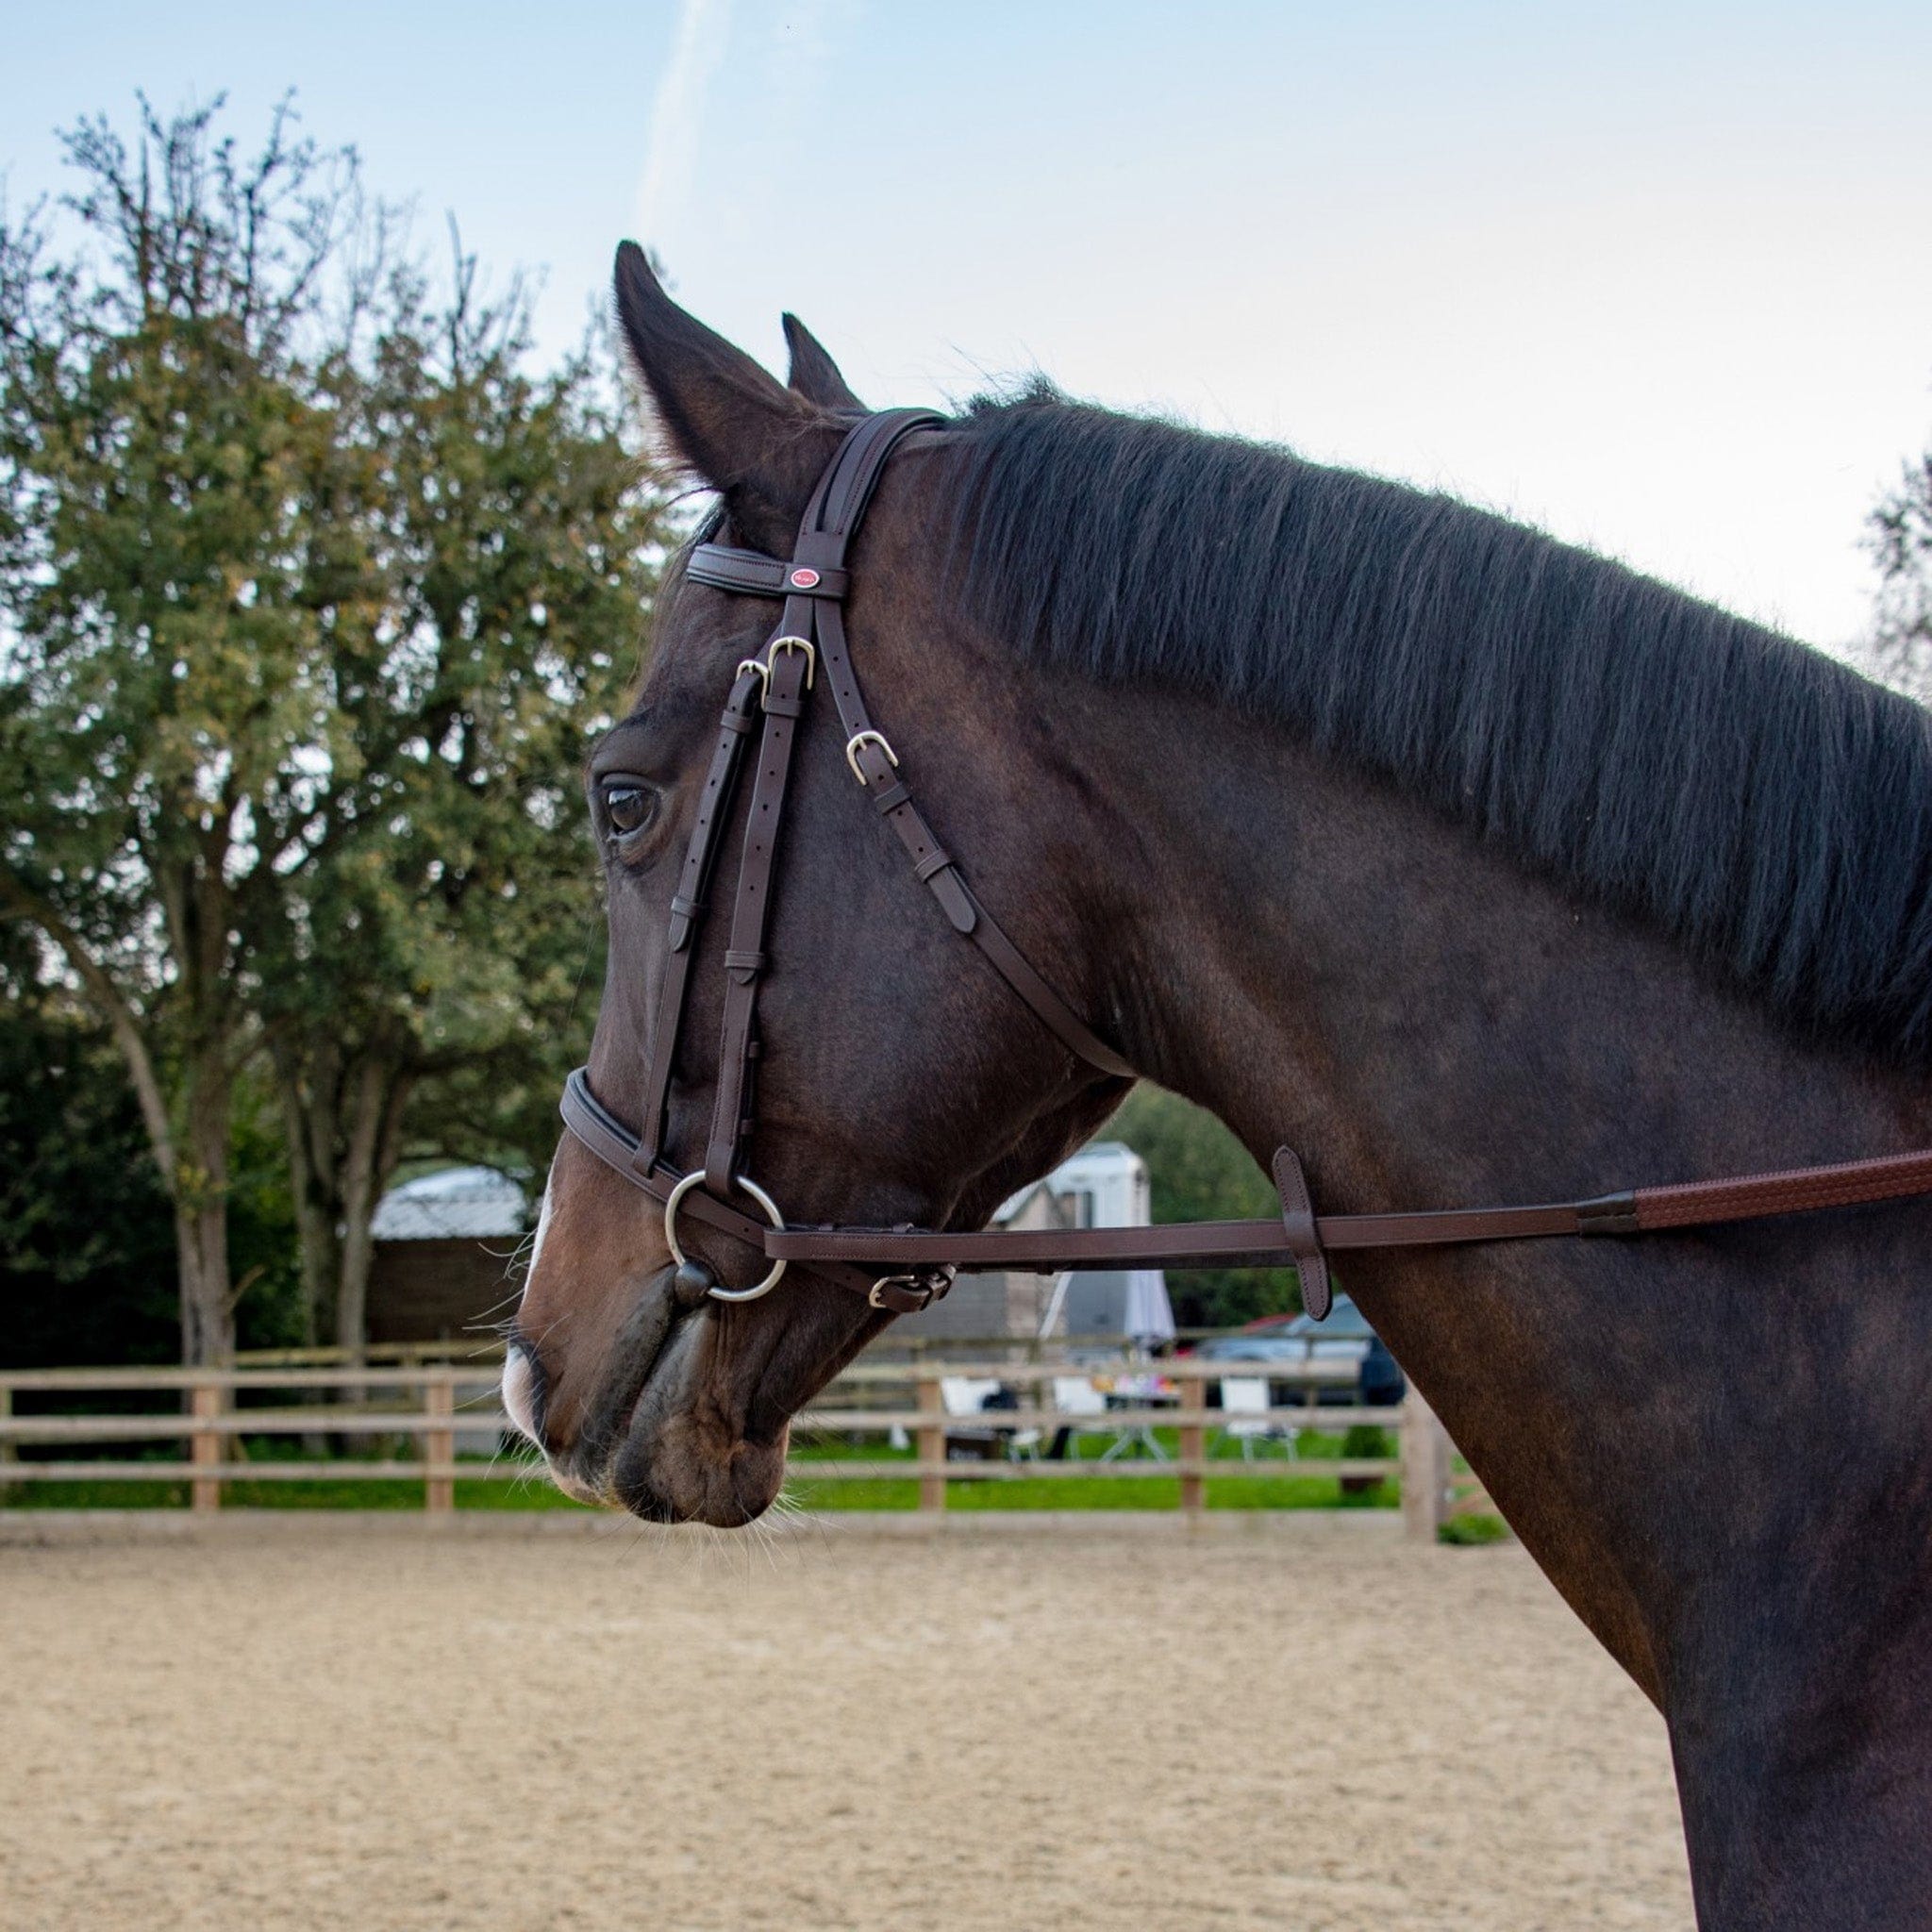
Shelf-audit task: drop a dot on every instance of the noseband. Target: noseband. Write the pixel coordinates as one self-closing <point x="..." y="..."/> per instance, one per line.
<point x="769" y="696"/>
<point x="904" y="1269"/>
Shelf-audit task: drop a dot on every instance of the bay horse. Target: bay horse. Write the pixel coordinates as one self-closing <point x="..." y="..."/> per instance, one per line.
<point x="1472" y="865"/>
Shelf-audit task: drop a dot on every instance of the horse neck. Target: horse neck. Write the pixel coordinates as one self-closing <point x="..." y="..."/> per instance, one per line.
<point x="1322" y="960"/>
<point x="1713" y="1444"/>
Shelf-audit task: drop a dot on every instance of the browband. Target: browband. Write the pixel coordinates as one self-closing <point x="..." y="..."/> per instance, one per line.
<point x="903" y="1270"/>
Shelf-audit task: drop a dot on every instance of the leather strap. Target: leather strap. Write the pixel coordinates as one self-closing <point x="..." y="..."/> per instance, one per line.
<point x="902" y="1270"/>
<point x="1298" y="1226"/>
<point x="687" y="903"/>
<point x="1279" y="1242"/>
<point x="753" y="573"/>
<point x="745" y="957"/>
<point x="940" y="872"/>
<point x="1796" y="1191"/>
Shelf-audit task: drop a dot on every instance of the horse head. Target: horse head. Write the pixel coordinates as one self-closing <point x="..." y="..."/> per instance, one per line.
<point x="896" y="1079"/>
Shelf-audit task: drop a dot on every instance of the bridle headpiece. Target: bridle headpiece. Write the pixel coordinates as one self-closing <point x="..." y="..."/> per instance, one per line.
<point x="806" y="653"/>
<point x="904" y="1269"/>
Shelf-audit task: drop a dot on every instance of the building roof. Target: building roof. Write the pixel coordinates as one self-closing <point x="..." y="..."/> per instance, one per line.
<point x="453" y="1203"/>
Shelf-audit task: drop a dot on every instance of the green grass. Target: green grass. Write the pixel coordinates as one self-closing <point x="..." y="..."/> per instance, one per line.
<point x="1474" y="1528"/>
<point x="1296" y="1486"/>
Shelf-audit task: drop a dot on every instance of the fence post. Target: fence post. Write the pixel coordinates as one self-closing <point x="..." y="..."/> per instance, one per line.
<point x="205" y="1445"/>
<point x="440" y="1443"/>
<point x="931" y="1441"/>
<point x="1425" y="1470"/>
<point x="8" y="1451"/>
<point x="1193" y="1446"/>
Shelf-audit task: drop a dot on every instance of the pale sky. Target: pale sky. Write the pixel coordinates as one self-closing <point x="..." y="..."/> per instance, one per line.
<point x="1656" y="278"/>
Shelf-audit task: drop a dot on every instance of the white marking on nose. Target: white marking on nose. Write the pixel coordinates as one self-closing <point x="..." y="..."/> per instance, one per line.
<point x="542" y="1229"/>
<point x="519" y="1389"/>
<point x="519" y="1377"/>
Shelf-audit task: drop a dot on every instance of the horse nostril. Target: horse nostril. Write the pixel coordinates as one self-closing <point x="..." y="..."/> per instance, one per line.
<point x="692" y="1282"/>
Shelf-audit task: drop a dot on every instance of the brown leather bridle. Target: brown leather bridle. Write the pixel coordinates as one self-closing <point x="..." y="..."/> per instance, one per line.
<point x="904" y="1269"/>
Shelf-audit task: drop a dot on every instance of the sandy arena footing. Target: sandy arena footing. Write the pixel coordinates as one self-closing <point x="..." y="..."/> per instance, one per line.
<point x="295" y="1724"/>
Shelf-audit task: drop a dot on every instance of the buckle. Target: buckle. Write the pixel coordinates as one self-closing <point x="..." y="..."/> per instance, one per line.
<point x="933" y="1283"/>
<point x="858" y="738"/>
<point x="788" y="642"/>
<point x="761" y="667"/>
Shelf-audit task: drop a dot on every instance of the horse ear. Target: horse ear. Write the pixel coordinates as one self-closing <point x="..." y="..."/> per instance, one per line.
<point x="814" y="374"/>
<point x="762" y="446"/>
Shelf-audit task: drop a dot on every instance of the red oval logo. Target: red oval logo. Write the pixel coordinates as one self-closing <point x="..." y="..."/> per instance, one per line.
<point x="804" y="579"/>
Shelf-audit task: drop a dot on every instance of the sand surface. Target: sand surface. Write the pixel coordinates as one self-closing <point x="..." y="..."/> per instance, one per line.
<point x="323" y="1725"/>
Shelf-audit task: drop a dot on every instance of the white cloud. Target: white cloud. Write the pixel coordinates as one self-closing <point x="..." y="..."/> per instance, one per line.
<point x="677" y="114"/>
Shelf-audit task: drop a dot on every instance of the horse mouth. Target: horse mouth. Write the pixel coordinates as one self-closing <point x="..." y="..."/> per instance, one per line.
<point x="654" y="1439"/>
<point x="684" y="1456"/>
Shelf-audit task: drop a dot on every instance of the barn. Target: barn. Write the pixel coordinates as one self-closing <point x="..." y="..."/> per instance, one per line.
<point x="444" y="1242"/>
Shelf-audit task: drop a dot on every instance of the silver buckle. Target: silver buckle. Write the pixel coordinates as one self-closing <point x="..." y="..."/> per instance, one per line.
<point x="932" y="1282"/>
<point x="788" y="642"/>
<point x="858" y="738"/>
<point x="896" y="1281"/>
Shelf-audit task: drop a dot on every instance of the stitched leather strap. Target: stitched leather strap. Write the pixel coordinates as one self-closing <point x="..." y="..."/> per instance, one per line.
<point x="1279" y="1242"/>
<point x="687" y="903"/>
<point x="744" y="956"/>
<point x="753" y="573"/>
<point x="902" y="1270"/>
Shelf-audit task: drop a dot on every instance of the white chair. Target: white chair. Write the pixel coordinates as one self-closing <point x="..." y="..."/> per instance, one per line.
<point x="965" y="1396"/>
<point x="1244" y="1401"/>
<point x="1075" y="1397"/>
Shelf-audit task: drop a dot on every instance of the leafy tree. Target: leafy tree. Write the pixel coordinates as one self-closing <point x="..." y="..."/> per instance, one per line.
<point x="434" y="919"/>
<point x="158" y="466"/>
<point x="309" y="595"/>
<point x="1200" y="1171"/>
<point x="1901" y="541"/>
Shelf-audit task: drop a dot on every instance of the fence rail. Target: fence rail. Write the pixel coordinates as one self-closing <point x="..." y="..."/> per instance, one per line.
<point x="211" y="1423"/>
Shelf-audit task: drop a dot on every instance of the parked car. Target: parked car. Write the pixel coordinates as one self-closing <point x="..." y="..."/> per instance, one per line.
<point x="1342" y="1359"/>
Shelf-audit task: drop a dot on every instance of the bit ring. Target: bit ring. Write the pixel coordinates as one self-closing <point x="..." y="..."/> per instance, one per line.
<point x="677" y="1254"/>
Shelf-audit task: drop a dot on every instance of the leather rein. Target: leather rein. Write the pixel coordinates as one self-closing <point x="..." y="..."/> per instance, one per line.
<point x="904" y="1269"/>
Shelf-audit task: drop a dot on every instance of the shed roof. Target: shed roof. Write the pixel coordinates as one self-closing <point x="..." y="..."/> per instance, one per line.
<point x="453" y="1203"/>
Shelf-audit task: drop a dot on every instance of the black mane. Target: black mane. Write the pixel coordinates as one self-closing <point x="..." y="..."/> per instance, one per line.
<point x="1769" y="807"/>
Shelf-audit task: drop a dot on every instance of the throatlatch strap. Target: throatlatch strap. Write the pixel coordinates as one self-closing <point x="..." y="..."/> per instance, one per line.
<point x="902" y="1270"/>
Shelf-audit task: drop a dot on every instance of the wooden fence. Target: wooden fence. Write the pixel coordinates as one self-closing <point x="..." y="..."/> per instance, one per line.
<point x="211" y="1415"/>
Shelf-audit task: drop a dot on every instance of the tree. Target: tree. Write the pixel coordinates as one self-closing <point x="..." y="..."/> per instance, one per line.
<point x="86" y="1248"/>
<point x="1200" y="1171"/>
<point x="436" y="918"/>
<point x="311" y="597"/>
<point x="1901" y="541"/>
<point x="157" y="458"/>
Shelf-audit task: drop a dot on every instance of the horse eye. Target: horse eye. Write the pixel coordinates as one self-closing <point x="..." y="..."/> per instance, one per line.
<point x="628" y="807"/>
